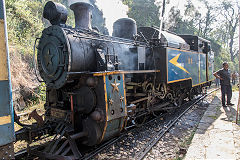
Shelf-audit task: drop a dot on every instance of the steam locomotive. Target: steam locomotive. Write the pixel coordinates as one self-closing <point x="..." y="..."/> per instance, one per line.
<point x="99" y="84"/>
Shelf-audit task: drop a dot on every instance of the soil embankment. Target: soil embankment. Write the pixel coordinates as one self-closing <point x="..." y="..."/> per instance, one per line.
<point x="24" y="82"/>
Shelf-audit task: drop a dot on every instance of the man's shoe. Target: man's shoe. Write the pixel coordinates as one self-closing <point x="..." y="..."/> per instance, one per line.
<point x="224" y="105"/>
<point x="230" y="104"/>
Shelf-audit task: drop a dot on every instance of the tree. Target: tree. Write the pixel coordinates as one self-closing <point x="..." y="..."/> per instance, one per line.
<point x="230" y="14"/>
<point x="193" y="16"/>
<point x="177" y="24"/>
<point x="98" y="20"/>
<point x="209" y="19"/>
<point x="24" y="23"/>
<point x="145" y="12"/>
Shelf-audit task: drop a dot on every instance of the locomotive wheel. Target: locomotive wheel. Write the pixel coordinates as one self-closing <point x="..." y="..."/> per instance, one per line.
<point x="179" y="98"/>
<point x="191" y="94"/>
<point x="148" y="88"/>
<point x="156" y="113"/>
<point x="139" y="121"/>
<point x="170" y="97"/>
<point x="162" y="90"/>
<point x="204" y="90"/>
<point x="199" y="90"/>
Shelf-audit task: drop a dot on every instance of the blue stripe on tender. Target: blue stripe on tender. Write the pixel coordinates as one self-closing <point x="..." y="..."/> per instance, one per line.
<point x="6" y="134"/>
<point x="5" y="108"/>
<point x="1" y="10"/>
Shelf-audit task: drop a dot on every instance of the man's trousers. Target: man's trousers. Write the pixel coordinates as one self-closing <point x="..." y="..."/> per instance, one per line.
<point x="226" y="90"/>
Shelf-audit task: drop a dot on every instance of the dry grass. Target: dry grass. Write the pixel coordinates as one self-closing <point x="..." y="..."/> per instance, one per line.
<point x="23" y="79"/>
<point x="21" y="72"/>
<point x="235" y="88"/>
<point x="20" y="145"/>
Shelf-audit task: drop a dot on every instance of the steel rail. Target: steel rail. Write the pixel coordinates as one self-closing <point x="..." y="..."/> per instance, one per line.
<point x="128" y="129"/>
<point x="109" y="143"/>
<point x="141" y="154"/>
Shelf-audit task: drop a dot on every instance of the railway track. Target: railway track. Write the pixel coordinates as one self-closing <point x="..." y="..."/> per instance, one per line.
<point x="110" y="142"/>
<point x="147" y="147"/>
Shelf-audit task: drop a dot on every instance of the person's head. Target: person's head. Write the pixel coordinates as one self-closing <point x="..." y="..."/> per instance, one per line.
<point x="225" y="65"/>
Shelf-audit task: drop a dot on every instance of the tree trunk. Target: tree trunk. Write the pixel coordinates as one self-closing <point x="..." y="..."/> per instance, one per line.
<point x="232" y="33"/>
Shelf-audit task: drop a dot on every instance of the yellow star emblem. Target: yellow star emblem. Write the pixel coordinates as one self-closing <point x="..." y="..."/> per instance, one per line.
<point x="115" y="86"/>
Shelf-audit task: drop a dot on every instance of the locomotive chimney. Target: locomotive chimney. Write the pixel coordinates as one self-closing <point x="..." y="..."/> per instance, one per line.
<point x="82" y="12"/>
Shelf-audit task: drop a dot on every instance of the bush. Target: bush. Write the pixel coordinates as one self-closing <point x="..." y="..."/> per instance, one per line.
<point x="24" y="21"/>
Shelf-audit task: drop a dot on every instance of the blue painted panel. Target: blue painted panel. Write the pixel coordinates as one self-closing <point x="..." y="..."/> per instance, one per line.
<point x="115" y="95"/>
<point x="1" y="10"/>
<point x="116" y="105"/>
<point x="203" y="68"/>
<point x="6" y="130"/>
<point x="4" y="98"/>
<point x="193" y="66"/>
<point x="6" y="134"/>
<point x="174" y="72"/>
<point x="187" y="67"/>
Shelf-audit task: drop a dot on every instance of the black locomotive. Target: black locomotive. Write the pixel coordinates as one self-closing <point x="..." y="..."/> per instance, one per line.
<point x="98" y="84"/>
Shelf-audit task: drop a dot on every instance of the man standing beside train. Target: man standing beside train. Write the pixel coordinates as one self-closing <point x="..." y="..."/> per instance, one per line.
<point x="226" y="88"/>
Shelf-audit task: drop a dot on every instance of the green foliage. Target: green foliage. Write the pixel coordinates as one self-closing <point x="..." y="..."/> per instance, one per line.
<point x="223" y="57"/>
<point x="39" y="94"/>
<point x="42" y="91"/>
<point x="145" y="12"/>
<point x="218" y="24"/>
<point x="98" y="20"/>
<point x="178" y="25"/>
<point x="24" y="23"/>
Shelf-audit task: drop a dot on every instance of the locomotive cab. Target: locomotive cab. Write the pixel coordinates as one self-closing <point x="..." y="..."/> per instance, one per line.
<point x="197" y="43"/>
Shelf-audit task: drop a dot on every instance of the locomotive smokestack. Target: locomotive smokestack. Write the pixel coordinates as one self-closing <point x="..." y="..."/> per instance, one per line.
<point x="82" y="11"/>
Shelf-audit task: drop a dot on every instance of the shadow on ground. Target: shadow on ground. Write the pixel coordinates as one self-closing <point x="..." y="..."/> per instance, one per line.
<point x="213" y="112"/>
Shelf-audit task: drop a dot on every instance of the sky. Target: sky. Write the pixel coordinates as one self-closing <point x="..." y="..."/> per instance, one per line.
<point x="112" y="11"/>
<point x="115" y="9"/>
